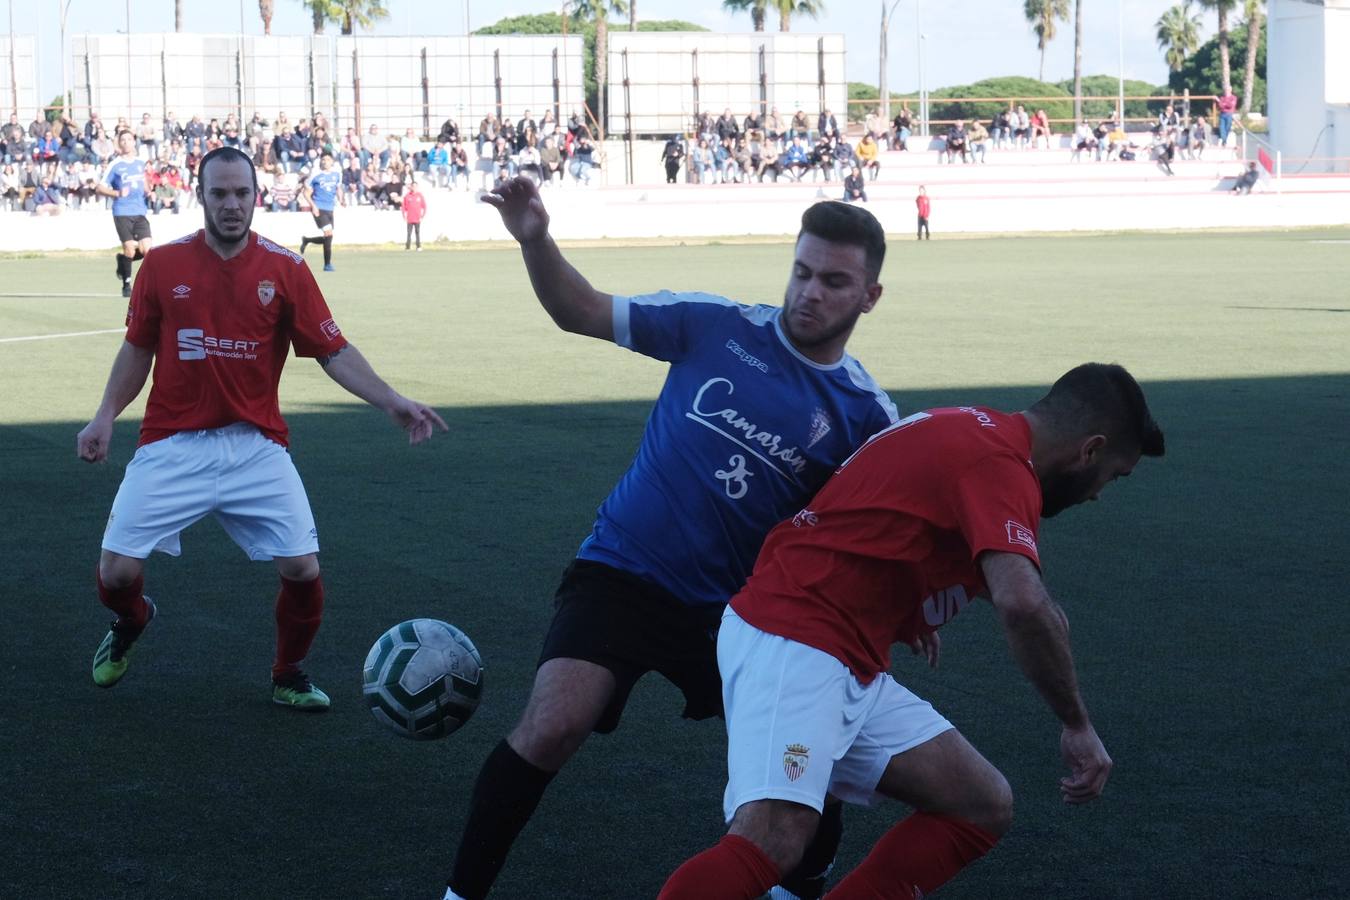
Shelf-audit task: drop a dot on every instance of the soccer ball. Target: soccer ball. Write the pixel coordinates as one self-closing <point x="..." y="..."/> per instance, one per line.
<point x="423" y="678"/>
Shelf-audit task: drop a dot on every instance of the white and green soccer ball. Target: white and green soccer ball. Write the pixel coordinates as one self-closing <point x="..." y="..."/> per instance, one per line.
<point x="423" y="679"/>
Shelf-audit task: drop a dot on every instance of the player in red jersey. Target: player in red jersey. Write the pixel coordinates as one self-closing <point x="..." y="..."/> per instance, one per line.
<point x="216" y="313"/>
<point x="940" y="508"/>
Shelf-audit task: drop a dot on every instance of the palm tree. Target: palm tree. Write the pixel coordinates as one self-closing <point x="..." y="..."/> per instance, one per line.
<point x="362" y="13"/>
<point x="1223" y="8"/>
<point x="1253" y="38"/>
<point x="632" y="15"/>
<point x="789" y="8"/>
<point x="1042" y="14"/>
<point x="1078" y="61"/>
<point x="598" y="11"/>
<point x="1178" y="34"/>
<point x="322" y="12"/>
<point x="756" y="8"/>
<point x="265" y="10"/>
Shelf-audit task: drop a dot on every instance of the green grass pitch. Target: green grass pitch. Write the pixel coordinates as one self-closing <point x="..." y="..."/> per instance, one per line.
<point x="1207" y="594"/>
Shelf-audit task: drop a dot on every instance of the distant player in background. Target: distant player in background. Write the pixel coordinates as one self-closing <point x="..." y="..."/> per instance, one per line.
<point x="760" y="405"/>
<point x="323" y="190"/>
<point x="414" y="208"/>
<point x="925" y="208"/>
<point x="125" y="183"/>
<point x="216" y="313"/>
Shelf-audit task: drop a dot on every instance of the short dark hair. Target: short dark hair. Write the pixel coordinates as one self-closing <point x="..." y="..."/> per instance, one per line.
<point x="843" y="223"/>
<point x="1097" y="398"/>
<point x="225" y="153"/>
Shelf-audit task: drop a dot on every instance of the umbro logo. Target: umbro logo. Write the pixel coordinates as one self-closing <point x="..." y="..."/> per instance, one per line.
<point x="182" y="292"/>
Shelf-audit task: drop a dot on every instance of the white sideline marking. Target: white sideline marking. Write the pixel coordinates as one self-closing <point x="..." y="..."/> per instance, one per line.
<point x="66" y="334"/>
<point x="29" y="294"/>
<point x="1329" y="242"/>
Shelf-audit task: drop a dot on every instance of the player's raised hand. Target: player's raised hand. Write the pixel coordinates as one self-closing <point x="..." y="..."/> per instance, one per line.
<point x="419" y="420"/>
<point x="91" y="444"/>
<point x="1088" y="763"/>
<point x="521" y="208"/>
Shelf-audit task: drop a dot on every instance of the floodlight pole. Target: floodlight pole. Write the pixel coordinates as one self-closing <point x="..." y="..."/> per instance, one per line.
<point x="923" y="87"/>
<point x="13" y="69"/>
<point x="883" y="88"/>
<point x="1120" y="37"/>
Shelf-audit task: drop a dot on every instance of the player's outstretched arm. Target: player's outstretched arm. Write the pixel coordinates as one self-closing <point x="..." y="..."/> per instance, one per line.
<point x="565" y="294"/>
<point x="130" y="368"/>
<point x="351" y="370"/>
<point x="1038" y="633"/>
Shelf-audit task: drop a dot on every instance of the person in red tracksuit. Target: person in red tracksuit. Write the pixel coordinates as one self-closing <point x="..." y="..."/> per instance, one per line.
<point x="414" y="208"/>
<point x="925" y="207"/>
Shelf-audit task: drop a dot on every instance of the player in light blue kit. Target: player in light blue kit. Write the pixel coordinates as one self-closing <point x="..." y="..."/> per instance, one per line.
<point x="125" y="183"/>
<point x="761" y="404"/>
<point x="324" y="192"/>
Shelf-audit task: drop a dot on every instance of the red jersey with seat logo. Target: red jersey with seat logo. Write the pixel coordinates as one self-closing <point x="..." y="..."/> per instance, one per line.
<point x="886" y="551"/>
<point x="221" y="330"/>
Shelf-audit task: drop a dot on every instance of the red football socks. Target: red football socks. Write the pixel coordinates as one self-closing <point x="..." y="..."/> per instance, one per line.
<point x="735" y="869"/>
<point x="127" y="601"/>
<point x="299" y="610"/>
<point x="915" y="858"/>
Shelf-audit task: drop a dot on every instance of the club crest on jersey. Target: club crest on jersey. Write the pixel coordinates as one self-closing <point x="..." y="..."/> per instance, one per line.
<point x="795" y="759"/>
<point x="820" y="426"/>
<point x="267" y="290"/>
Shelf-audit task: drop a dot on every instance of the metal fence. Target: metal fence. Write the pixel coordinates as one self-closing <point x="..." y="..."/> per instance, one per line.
<point x="18" y="74"/>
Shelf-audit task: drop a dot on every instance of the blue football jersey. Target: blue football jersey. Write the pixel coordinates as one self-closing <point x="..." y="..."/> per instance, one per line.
<point x="325" y="186"/>
<point x="745" y="431"/>
<point x="130" y="174"/>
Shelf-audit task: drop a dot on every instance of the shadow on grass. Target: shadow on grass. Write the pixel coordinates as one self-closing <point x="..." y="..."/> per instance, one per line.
<point x="1206" y="596"/>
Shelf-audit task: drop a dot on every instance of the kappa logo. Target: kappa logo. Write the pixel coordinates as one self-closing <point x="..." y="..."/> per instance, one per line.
<point x="795" y="759"/>
<point x="820" y="426"/>
<point x="182" y="292"/>
<point x="1021" y="534"/>
<point x="746" y="357"/>
<point x="267" y="290"/>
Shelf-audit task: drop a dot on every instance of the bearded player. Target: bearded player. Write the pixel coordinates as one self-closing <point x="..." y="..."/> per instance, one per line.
<point x="216" y="313"/>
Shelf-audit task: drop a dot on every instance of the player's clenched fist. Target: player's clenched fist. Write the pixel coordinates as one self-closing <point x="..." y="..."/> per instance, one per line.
<point x="91" y="444"/>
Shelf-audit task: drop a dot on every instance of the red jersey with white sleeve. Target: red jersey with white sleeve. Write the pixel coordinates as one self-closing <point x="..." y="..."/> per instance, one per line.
<point x="221" y="330"/>
<point x="887" y="549"/>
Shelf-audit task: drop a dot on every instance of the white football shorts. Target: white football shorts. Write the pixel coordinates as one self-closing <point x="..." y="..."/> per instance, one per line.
<point x="800" y="725"/>
<point x="245" y="480"/>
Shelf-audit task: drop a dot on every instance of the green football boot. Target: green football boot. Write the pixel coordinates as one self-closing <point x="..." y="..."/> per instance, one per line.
<point x="113" y="654"/>
<point x="297" y="692"/>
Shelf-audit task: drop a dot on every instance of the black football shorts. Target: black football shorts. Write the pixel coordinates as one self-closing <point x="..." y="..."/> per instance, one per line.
<point x="631" y="626"/>
<point x="132" y="228"/>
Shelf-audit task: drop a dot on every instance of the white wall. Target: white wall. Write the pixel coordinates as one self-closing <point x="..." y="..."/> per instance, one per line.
<point x="662" y="67"/>
<point x="461" y="74"/>
<point x="24" y="52"/>
<point x="1308" y="82"/>
<point x="200" y="73"/>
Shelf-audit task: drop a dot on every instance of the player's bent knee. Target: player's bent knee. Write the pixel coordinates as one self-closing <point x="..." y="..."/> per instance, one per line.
<point x="118" y="571"/>
<point x="548" y="735"/>
<point x="298" y="568"/>
<point x="780" y="828"/>
<point x="995" y="814"/>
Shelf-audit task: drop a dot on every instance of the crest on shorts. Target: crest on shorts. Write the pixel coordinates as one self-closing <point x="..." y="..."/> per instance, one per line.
<point x="795" y="759"/>
<point x="266" y="291"/>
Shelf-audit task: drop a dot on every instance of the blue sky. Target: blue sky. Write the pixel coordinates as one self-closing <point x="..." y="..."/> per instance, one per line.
<point x="967" y="40"/>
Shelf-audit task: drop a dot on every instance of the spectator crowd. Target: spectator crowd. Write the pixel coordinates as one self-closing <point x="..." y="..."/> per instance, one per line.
<point x="50" y="166"/>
